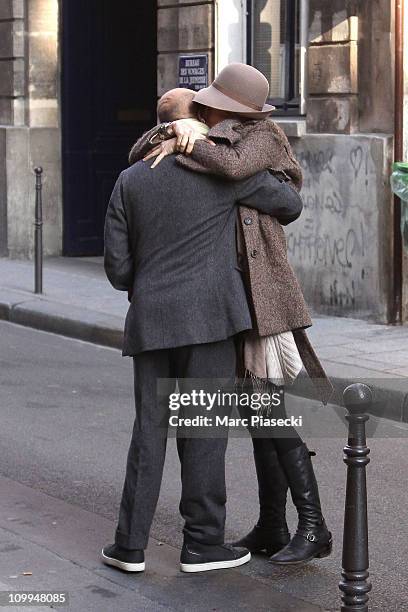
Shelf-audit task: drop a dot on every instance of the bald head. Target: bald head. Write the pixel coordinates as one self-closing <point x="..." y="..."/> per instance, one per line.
<point x="176" y="104"/>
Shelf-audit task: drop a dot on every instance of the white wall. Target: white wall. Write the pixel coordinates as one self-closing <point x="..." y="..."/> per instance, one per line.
<point x="230" y="40"/>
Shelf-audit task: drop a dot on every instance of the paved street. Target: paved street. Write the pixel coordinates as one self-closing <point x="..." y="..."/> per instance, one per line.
<point x="79" y="302"/>
<point x="66" y="410"/>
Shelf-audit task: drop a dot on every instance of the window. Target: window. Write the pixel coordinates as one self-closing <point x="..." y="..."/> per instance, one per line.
<point x="276" y="44"/>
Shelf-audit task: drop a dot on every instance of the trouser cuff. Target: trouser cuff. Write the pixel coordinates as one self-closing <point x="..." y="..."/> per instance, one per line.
<point x="204" y="540"/>
<point x="130" y="542"/>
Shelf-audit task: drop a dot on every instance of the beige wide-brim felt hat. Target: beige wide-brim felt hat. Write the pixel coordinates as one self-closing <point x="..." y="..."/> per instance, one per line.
<point x="239" y="89"/>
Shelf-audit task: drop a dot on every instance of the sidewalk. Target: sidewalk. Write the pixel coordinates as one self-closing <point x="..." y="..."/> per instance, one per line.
<point x="78" y="301"/>
<point x="51" y="545"/>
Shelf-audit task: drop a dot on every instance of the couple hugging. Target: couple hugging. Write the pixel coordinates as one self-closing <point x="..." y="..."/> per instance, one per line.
<point x="193" y="233"/>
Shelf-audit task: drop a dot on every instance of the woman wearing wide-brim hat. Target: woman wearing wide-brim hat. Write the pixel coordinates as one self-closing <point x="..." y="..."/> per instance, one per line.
<point x="238" y="89"/>
<point x="243" y="91"/>
<point x="233" y="107"/>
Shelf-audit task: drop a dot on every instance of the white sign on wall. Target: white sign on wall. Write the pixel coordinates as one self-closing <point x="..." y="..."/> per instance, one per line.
<point x="193" y="71"/>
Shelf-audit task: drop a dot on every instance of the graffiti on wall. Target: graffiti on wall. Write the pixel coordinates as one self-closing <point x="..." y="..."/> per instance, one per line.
<point x="334" y="245"/>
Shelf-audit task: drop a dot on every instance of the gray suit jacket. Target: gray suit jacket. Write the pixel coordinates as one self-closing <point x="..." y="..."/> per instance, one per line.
<point x="170" y="238"/>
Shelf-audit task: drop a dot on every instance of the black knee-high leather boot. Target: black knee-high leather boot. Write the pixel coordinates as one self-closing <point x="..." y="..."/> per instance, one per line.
<point x="312" y="538"/>
<point x="271" y="533"/>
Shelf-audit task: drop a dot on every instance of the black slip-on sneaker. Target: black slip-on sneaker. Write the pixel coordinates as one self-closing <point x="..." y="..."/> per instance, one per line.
<point x="202" y="558"/>
<point x="126" y="560"/>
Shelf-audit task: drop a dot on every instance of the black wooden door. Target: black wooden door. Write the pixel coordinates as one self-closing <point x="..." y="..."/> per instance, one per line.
<point x="108" y="99"/>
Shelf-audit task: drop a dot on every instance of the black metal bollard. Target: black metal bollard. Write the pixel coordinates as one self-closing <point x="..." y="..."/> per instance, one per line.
<point x="355" y="585"/>
<point x="38" y="236"/>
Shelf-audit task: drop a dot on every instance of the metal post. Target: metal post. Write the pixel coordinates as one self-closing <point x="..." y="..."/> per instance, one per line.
<point x="38" y="242"/>
<point x="355" y="585"/>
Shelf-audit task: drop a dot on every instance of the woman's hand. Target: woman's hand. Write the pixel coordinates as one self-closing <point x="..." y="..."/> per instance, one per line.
<point x="167" y="147"/>
<point x="186" y="136"/>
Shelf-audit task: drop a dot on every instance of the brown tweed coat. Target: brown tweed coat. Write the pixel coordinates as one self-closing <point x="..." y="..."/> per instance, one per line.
<point x="244" y="148"/>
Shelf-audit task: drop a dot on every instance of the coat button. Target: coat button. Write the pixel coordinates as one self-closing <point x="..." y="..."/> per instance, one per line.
<point x="247" y="220"/>
<point x="254" y="253"/>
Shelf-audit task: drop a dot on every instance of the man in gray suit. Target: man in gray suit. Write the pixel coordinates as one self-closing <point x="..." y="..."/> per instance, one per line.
<point x="170" y="241"/>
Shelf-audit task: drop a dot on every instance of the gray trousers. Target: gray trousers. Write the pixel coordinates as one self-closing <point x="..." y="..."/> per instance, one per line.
<point x="202" y="459"/>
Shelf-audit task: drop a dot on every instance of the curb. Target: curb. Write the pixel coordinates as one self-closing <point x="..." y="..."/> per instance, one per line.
<point x="70" y="321"/>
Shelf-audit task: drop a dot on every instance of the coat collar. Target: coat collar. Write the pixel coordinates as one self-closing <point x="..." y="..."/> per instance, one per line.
<point x="229" y="130"/>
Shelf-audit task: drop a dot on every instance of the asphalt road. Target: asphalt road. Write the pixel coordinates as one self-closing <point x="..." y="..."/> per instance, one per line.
<point x="66" y="410"/>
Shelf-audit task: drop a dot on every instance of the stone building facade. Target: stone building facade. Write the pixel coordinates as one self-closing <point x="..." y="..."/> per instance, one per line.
<point x="342" y="133"/>
<point x="29" y="124"/>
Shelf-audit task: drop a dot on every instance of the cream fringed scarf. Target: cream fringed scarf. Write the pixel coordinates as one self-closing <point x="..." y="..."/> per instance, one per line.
<point x="274" y="358"/>
<point x="198" y="126"/>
